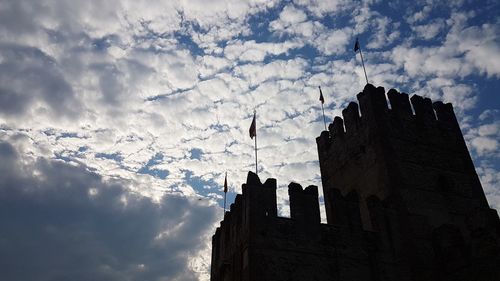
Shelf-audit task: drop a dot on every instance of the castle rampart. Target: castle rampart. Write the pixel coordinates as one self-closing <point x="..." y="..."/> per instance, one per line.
<point x="402" y="199"/>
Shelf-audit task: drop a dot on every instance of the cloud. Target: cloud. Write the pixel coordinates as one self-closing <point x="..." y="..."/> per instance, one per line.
<point x="33" y="84"/>
<point x="290" y="16"/>
<point x="251" y="51"/>
<point x="334" y="42"/>
<point x="61" y="221"/>
<point x="429" y="30"/>
<point x="278" y="69"/>
<point x="483" y="139"/>
<point x="122" y="93"/>
<point x="321" y="8"/>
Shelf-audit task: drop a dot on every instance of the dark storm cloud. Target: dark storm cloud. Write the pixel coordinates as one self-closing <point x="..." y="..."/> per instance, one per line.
<point x="28" y="75"/>
<point x="61" y="222"/>
<point x="19" y="16"/>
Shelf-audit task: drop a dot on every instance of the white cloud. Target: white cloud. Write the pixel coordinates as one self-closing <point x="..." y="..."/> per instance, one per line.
<point x="484" y="139"/>
<point x="291" y="15"/>
<point x="250" y="51"/>
<point x="334" y="42"/>
<point x="479" y="44"/>
<point x="128" y="86"/>
<point x="275" y="70"/>
<point x="419" y="16"/>
<point x="321" y="8"/>
<point x="429" y="30"/>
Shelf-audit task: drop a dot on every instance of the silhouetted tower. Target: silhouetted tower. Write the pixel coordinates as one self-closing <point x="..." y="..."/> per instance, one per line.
<point x="419" y="190"/>
<point x="402" y="198"/>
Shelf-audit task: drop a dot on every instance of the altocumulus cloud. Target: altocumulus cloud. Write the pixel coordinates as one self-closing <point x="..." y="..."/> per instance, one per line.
<point x="63" y="222"/>
<point x="115" y="114"/>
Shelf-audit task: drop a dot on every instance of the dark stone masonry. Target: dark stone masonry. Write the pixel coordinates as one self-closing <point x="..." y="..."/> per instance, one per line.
<point x="403" y="202"/>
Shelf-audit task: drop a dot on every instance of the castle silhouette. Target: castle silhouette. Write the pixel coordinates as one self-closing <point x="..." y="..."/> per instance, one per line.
<point x="403" y="202"/>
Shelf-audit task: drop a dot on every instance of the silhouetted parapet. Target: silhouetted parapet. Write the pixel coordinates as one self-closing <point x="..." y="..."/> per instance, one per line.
<point x="345" y="209"/>
<point x="236" y="210"/>
<point x="323" y="141"/>
<point x="253" y="179"/>
<point x="237" y="203"/>
<point x="400" y="104"/>
<point x="337" y="127"/>
<point x="446" y="115"/>
<point x="260" y="198"/>
<point x="304" y="204"/>
<point x="351" y="117"/>
<point x="423" y="110"/>
<point x="372" y="102"/>
<point x="270" y="183"/>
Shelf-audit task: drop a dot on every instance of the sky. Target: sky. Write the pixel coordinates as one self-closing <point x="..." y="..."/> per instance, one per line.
<point x="119" y="118"/>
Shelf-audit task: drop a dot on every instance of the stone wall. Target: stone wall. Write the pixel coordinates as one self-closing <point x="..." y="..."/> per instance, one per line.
<point x="402" y="198"/>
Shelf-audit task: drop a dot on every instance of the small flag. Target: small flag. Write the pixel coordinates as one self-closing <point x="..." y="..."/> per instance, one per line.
<point x="225" y="184"/>
<point x="356" y="45"/>
<point x="321" y="98"/>
<point x="253" y="130"/>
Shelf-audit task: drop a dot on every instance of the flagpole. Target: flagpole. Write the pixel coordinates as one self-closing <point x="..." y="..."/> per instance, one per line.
<point x="322" y="100"/>
<point x="255" y="114"/>
<point x="324" y="119"/>
<point x="225" y="192"/>
<point x="225" y="202"/>
<point x="363" y="63"/>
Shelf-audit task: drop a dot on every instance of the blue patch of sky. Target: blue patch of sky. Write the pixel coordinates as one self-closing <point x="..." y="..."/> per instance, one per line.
<point x="219" y="127"/>
<point x="489" y="98"/>
<point x="307" y="52"/>
<point x="111" y="156"/>
<point x="196" y="153"/>
<point x="103" y="43"/>
<point x="83" y="148"/>
<point x="259" y="25"/>
<point x="150" y="170"/>
<point x="187" y="42"/>
<point x="204" y="187"/>
<point x="70" y="135"/>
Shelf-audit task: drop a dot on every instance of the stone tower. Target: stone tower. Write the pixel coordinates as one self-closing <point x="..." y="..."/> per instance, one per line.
<point x="402" y="199"/>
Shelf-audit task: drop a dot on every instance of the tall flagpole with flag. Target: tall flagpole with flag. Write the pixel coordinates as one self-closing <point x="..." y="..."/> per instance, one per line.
<point x="322" y="100"/>
<point x="253" y="133"/>
<point x="356" y="48"/>
<point x="225" y="192"/>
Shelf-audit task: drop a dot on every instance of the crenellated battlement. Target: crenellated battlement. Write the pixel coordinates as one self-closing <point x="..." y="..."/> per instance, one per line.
<point x="253" y="240"/>
<point x="402" y="198"/>
<point x="374" y="116"/>
<point x="380" y="144"/>
<point x="258" y="202"/>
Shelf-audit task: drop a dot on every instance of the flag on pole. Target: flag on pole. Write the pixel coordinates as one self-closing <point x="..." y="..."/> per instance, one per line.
<point x="356" y="45"/>
<point x="321" y="98"/>
<point x="253" y="130"/>
<point x="356" y="49"/>
<point x="225" y="192"/>
<point x="225" y="184"/>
